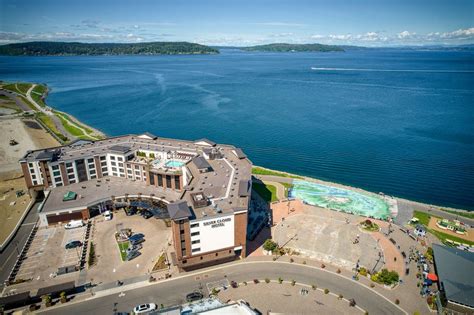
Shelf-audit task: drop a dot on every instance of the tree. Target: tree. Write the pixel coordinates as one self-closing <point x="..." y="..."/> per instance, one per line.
<point x="270" y="245"/>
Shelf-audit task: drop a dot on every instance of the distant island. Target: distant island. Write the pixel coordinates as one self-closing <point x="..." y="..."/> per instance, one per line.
<point x="71" y="49"/>
<point x="282" y="47"/>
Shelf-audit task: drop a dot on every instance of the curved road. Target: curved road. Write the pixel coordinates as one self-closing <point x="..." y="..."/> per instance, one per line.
<point x="173" y="291"/>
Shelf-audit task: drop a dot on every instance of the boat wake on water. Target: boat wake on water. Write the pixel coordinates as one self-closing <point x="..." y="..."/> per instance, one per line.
<point x="391" y="70"/>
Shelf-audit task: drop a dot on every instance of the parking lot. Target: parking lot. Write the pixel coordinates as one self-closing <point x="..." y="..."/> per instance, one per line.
<point x="46" y="254"/>
<point x="109" y="267"/>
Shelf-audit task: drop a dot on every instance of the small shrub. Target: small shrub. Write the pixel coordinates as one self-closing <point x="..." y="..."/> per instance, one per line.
<point x="363" y="272"/>
<point x="372" y="285"/>
<point x="338" y="271"/>
<point x="326" y="291"/>
<point x="323" y="266"/>
<point x="291" y="260"/>
<point x="397" y="301"/>
<point x="256" y="281"/>
<point x="314" y="287"/>
<point x="267" y="280"/>
<point x="280" y="280"/>
<point x="274" y="258"/>
<point x="366" y="312"/>
<point x="340" y="296"/>
<point x="244" y="283"/>
<point x="32" y="308"/>
<point x="293" y="282"/>
<point x="46" y="300"/>
<point x="270" y="245"/>
<point x="63" y="297"/>
<point x="304" y="262"/>
<point x="215" y="292"/>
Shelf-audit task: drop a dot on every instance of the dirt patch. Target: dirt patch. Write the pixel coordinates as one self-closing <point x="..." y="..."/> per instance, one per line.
<point x="11" y="206"/>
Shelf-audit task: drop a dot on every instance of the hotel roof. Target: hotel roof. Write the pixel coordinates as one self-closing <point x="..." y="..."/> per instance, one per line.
<point x="455" y="269"/>
<point x="179" y="210"/>
<point x="220" y="184"/>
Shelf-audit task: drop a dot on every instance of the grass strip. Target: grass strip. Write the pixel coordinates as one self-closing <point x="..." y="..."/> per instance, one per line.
<point x="263" y="171"/>
<point x="123" y="246"/>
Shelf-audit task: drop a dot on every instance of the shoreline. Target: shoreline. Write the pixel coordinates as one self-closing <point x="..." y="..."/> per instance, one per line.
<point x="291" y="176"/>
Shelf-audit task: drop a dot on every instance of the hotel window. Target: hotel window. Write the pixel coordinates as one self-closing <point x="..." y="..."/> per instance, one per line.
<point x="196" y="249"/>
<point x="196" y="242"/>
<point x="137" y="167"/>
<point x="113" y="163"/>
<point x="92" y="172"/>
<point x="195" y="234"/>
<point x="59" y="184"/>
<point x="104" y="163"/>
<point x="130" y="176"/>
<point x="35" y="182"/>
<point x="90" y="160"/>
<point x="30" y="165"/>
<point x="71" y="176"/>
<point x="122" y="175"/>
<point x="129" y="171"/>
<point x="120" y="159"/>
<point x="68" y="164"/>
<point x="112" y="158"/>
<point x="114" y="174"/>
<point x="57" y="179"/>
<point x="160" y="180"/>
<point x="56" y="173"/>
<point x="102" y="158"/>
<point x="114" y="169"/>
<point x="120" y="164"/>
<point x="105" y="173"/>
<point x="195" y="225"/>
<point x="176" y="182"/>
<point x="72" y="181"/>
<point x="33" y="176"/>
<point x="55" y="167"/>
<point x="168" y="181"/>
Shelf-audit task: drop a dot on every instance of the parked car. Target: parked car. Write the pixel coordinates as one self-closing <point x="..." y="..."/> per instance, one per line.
<point x="133" y="255"/>
<point x="73" y="244"/>
<point x="137" y="241"/>
<point x="194" y="296"/>
<point x="108" y="215"/>
<point x="129" y="211"/>
<point x="136" y="237"/>
<point x="144" y="308"/>
<point x="134" y="248"/>
<point x="74" y="224"/>
<point x="146" y="214"/>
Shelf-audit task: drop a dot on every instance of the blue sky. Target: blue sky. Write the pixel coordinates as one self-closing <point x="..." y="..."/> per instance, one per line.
<point x="226" y="22"/>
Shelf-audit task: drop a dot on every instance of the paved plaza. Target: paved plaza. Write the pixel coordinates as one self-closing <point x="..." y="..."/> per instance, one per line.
<point x="328" y="236"/>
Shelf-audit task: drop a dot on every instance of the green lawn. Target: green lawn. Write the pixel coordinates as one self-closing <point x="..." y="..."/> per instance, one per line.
<point x="262" y="171"/>
<point x="49" y="123"/>
<point x="423" y="217"/>
<point x="267" y="192"/>
<point x="123" y="250"/>
<point x="37" y="94"/>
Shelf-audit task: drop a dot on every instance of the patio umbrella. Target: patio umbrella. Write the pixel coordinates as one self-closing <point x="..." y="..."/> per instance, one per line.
<point x="432" y="277"/>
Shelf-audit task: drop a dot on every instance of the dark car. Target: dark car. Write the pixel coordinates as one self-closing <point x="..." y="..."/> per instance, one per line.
<point x="234" y="284"/>
<point x="146" y="214"/>
<point x="136" y="237"/>
<point x="194" y="296"/>
<point x="132" y="255"/>
<point x="73" y="244"/>
<point x="130" y="211"/>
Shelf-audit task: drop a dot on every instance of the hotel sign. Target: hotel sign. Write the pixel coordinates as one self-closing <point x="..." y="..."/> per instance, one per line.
<point x="217" y="223"/>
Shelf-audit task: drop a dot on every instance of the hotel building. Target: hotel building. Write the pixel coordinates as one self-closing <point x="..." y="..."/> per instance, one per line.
<point x="202" y="187"/>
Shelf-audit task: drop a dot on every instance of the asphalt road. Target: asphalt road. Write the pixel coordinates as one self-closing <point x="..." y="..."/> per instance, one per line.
<point x="9" y="254"/>
<point x="173" y="291"/>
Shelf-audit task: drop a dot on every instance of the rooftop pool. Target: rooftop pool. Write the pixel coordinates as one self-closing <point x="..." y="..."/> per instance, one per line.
<point x="340" y="199"/>
<point x="174" y="163"/>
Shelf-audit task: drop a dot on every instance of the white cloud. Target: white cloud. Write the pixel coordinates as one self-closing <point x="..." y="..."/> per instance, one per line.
<point x="279" y="24"/>
<point x="405" y="34"/>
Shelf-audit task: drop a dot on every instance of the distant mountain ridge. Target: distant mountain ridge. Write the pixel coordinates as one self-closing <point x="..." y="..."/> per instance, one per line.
<point x="74" y="48"/>
<point x="284" y="47"/>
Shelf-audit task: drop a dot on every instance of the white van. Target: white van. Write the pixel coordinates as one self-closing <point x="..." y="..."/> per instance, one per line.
<point x="108" y="215"/>
<point x="74" y="224"/>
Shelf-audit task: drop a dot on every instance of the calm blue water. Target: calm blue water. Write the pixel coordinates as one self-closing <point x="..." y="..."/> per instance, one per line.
<point x="407" y="130"/>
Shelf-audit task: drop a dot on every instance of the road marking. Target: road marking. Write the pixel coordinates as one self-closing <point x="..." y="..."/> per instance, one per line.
<point x="26" y="224"/>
